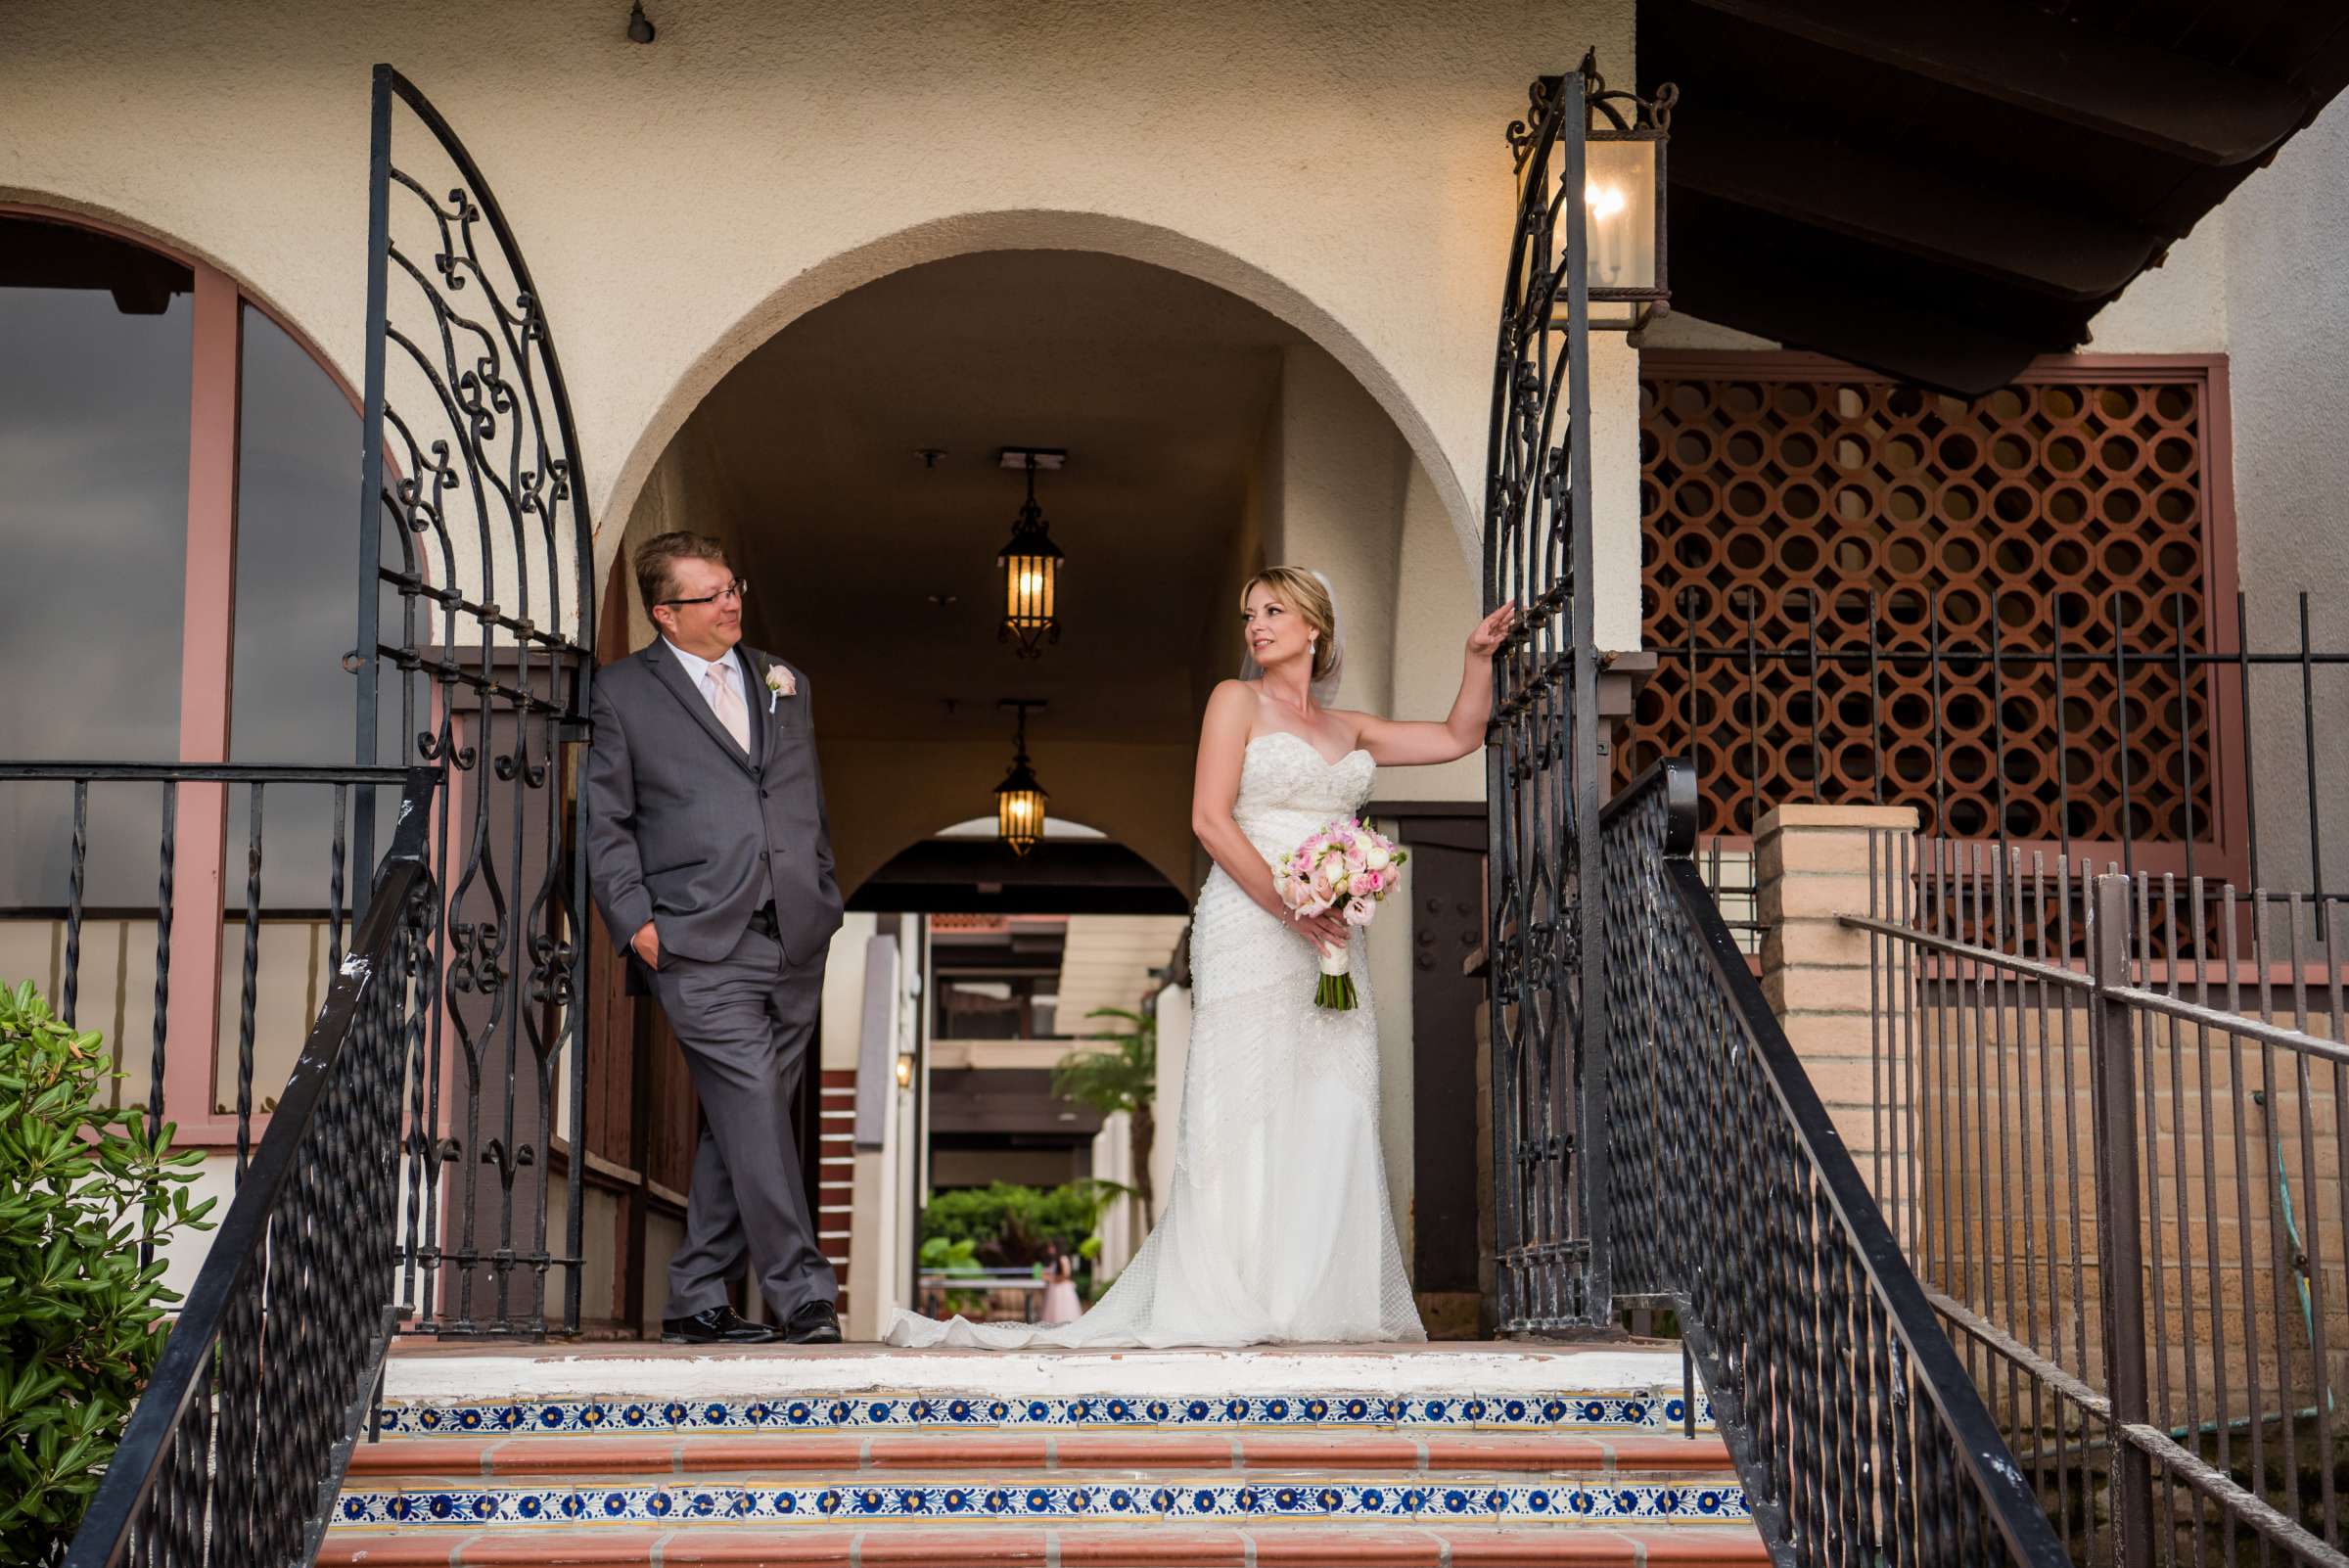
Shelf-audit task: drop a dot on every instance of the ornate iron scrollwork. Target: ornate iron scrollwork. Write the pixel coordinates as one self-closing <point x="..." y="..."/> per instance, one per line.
<point x="1544" y="747"/>
<point x="478" y="604"/>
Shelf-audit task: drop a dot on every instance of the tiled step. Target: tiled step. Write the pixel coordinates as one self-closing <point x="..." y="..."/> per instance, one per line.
<point x="1166" y="1494"/>
<point x="1430" y="1454"/>
<point x="1549" y="1452"/>
<point x="1272" y="1545"/>
<point x="1582" y="1409"/>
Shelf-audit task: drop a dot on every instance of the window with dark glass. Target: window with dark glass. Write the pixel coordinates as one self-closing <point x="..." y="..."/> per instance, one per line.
<point x="95" y="375"/>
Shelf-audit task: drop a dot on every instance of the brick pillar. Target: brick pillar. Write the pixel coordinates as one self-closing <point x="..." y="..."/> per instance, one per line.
<point x="1841" y="996"/>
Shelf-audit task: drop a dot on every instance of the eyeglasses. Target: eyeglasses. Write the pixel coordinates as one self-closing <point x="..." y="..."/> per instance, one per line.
<point x="736" y="590"/>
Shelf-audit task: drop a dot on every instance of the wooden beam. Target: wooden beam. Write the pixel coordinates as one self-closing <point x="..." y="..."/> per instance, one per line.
<point x="1867" y="195"/>
<point x="2011" y="54"/>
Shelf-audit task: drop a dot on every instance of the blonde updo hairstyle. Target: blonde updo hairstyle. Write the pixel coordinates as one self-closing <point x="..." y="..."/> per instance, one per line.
<point x="1301" y="591"/>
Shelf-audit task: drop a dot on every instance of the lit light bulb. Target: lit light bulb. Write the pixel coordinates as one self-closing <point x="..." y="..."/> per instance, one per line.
<point x="1607" y="241"/>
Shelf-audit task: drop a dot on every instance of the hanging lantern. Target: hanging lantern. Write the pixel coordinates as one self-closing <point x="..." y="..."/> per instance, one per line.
<point x="1031" y="564"/>
<point x="1621" y="153"/>
<point x="1020" y="799"/>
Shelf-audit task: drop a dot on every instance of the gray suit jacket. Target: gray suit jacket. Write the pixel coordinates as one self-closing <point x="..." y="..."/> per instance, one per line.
<point x="687" y="831"/>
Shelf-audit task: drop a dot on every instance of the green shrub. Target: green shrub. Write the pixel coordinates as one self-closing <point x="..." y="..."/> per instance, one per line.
<point x="939" y="1256"/>
<point x="1006" y="1225"/>
<point x="81" y="1186"/>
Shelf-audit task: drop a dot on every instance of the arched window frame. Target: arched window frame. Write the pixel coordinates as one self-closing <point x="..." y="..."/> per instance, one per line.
<point x="208" y="668"/>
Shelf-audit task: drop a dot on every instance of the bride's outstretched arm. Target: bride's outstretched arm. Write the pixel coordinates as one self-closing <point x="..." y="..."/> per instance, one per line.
<point x="1216" y="785"/>
<point x="1404" y="743"/>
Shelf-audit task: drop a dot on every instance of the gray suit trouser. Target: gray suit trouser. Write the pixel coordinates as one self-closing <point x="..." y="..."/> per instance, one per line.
<point x="747" y="1023"/>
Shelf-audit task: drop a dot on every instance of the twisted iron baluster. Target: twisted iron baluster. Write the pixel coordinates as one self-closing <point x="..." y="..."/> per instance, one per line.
<point x="252" y="984"/>
<point x="75" y="879"/>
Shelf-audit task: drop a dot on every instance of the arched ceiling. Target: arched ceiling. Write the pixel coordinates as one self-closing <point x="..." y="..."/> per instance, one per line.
<point x="1158" y="384"/>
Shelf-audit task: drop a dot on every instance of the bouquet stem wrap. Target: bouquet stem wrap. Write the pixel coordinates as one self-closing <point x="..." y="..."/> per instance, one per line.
<point x="1336" y="990"/>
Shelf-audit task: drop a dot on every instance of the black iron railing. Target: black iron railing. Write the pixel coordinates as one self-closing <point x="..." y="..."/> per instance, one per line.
<point x="2123" y="1155"/>
<point x="1732" y="1200"/>
<point x="235" y="1451"/>
<point x="124" y="830"/>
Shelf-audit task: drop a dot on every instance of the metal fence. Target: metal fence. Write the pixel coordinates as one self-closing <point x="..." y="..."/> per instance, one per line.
<point x="233" y="965"/>
<point x="1732" y="1200"/>
<point x="2112" y="1122"/>
<point x="242" y="1436"/>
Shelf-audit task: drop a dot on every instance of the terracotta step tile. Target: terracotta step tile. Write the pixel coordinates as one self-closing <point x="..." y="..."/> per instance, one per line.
<point x="450" y="1457"/>
<point x="1468" y="1450"/>
<point x="937" y="1548"/>
<point x="1273" y="1545"/>
<point x="1692" y="1546"/>
<point x="1499" y="1548"/>
<point x="1706" y="1450"/>
<point x="1180" y="1450"/>
<point x="385" y="1548"/>
<point x="946" y="1451"/>
<point x="605" y="1455"/>
<point x="590" y="1548"/>
<point x="1380" y="1452"/>
<point x="553" y="1548"/>
<point x="819" y="1451"/>
<point x="758" y="1548"/>
<point x="1350" y="1546"/>
<point x="1120" y="1547"/>
<point x="1517" y="1548"/>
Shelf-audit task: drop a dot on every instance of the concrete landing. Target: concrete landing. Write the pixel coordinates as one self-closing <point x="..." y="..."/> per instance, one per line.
<point x="468" y="1372"/>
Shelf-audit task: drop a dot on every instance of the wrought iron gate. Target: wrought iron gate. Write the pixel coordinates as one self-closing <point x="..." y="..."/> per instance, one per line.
<point x="1543" y="762"/>
<point x="475" y="653"/>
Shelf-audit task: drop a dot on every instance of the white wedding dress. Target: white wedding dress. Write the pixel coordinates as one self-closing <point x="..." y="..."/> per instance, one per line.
<point x="1276" y="1227"/>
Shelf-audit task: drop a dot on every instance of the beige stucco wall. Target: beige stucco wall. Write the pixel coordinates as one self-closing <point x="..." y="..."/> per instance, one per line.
<point x="1437" y="602"/>
<point x="1338" y="488"/>
<point x="680" y="203"/>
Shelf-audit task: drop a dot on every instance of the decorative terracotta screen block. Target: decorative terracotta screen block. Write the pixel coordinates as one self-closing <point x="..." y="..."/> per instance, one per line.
<point x="1858" y="591"/>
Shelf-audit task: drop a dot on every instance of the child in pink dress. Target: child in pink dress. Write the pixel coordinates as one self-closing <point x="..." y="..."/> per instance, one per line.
<point x="1060" y="1287"/>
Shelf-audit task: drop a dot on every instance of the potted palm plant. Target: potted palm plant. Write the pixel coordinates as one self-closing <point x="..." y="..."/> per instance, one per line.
<point x="1124" y="1079"/>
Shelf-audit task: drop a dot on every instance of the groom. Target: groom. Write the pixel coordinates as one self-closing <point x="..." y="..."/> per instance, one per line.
<point x="707" y="854"/>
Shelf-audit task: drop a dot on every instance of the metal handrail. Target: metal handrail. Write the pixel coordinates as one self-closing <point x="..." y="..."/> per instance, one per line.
<point x="2189" y="1391"/>
<point x="240" y="1412"/>
<point x="1814" y="1357"/>
<point x="202" y="772"/>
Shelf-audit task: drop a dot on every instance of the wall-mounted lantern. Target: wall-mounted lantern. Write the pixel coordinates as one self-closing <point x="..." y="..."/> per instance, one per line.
<point x="1624" y="250"/>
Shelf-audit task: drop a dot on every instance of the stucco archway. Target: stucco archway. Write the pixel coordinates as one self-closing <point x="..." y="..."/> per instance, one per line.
<point x="1208" y="437"/>
<point x="972" y="233"/>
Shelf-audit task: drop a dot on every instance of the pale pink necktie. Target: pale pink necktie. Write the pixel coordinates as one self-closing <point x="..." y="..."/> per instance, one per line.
<point x="729" y="708"/>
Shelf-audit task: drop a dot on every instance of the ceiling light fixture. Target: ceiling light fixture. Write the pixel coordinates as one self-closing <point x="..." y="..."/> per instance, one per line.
<point x="1020" y="799"/>
<point x="1031" y="563"/>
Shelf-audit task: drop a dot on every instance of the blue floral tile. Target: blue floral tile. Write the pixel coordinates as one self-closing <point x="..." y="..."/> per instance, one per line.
<point x="1629" y="1409"/>
<point x="1055" y="1501"/>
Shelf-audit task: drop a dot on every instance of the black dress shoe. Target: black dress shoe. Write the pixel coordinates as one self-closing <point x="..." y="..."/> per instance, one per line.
<point x="716" y="1325"/>
<point x="812" y="1322"/>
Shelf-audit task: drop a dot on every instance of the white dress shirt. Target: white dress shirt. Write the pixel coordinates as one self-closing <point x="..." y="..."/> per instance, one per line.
<point x="699" y="670"/>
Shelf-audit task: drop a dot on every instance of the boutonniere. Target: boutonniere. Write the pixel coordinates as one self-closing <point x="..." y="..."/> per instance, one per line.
<point x="779" y="684"/>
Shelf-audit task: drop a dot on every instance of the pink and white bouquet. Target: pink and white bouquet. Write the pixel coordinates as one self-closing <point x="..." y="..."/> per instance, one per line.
<point x="1348" y="867"/>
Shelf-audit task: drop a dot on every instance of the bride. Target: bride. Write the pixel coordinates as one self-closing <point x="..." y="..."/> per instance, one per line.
<point x="1277" y="1227"/>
